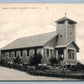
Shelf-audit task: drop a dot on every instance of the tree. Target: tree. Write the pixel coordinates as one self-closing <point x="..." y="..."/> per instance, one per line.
<point x="17" y="60"/>
<point x="35" y="59"/>
<point x="80" y="66"/>
<point x="53" y="61"/>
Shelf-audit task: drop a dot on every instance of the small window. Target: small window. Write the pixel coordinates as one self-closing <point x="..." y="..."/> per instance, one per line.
<point x="3" y="54"/>
<point x="24" y="53"/>
<point x="15" y="53"/>
<point x="47" y="52"/>
<point x="18" y="54"/>
<point x="72" y="57"/>
<point x="9" y="54"/>
<point x="60" y="35"/>
<point x="31" y="52"/>
<point x="21" y="53"/>
<point x="70" y="54"/>
<point x="27" y="52"/>
<point x="51" y="53"/>
<point x="39" y="50"/>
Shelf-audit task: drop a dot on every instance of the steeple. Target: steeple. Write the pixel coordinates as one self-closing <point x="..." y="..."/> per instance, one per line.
<point x="64" y="19"/>
<point x="66" y="30"/>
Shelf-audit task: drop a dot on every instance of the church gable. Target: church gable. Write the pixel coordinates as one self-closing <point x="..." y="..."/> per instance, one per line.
<point x="51" y="43"/>
<point x="73" y="45"/>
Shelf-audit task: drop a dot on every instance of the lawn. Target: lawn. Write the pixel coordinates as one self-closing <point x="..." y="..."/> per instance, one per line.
<point x="49" y="71"/>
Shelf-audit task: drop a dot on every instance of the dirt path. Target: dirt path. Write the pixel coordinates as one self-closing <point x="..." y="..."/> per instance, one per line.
<point x="11" y="74"/>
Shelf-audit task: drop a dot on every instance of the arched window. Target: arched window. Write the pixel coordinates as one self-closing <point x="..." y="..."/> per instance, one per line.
<point x="12" y="54"/>
<point x="18" y="53"/>
<point x="24" y="53"/>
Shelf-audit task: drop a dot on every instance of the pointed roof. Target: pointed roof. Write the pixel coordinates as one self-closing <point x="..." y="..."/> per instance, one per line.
<point x="31" y="41"/>
<point x="63" y="46"/>
<point x="65" y="18"/>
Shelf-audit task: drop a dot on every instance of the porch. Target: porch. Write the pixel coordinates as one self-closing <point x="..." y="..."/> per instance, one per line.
<point x="66" y="56"/>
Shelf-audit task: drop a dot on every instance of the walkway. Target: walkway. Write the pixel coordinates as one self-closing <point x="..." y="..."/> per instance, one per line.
<point x="12" y="74"/>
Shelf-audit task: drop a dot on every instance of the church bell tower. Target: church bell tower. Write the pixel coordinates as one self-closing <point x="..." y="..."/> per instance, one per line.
<point x="66" y="30"/>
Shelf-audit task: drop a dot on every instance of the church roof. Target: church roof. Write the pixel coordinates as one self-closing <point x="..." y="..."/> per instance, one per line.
<point x="65" y="18"/>
<point x="31" y="41"/>
<point x="63" y="46"/>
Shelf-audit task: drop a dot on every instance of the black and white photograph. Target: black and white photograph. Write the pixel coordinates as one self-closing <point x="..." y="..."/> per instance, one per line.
<point x="41" y="42"/>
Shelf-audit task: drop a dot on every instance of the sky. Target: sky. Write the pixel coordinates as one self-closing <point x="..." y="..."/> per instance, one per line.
<point x="21" y="20"/>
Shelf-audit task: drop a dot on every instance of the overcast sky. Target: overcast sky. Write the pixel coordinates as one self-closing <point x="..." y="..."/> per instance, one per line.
<point x="21" y="20"/>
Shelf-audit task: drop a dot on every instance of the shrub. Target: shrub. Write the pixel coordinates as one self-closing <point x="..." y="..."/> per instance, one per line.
<point x="35" y="59"/>
<point x="53" y="61"/>
<point x="42" y="67"/>
<point x="17" y="60"/>
<point x="80" y="66"/>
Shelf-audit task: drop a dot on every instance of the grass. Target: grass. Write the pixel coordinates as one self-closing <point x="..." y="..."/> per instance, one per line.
<point x="45" y="71"/>
<point x="56" y="74"/>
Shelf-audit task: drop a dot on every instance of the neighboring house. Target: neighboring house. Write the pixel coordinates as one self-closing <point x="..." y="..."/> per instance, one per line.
<point x="59" y="44"/>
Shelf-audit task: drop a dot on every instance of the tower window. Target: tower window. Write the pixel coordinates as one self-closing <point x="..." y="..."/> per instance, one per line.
<point x="60" y="35"/>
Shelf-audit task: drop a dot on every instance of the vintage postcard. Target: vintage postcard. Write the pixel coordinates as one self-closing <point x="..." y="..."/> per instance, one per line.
<point x="41" y="42"/>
